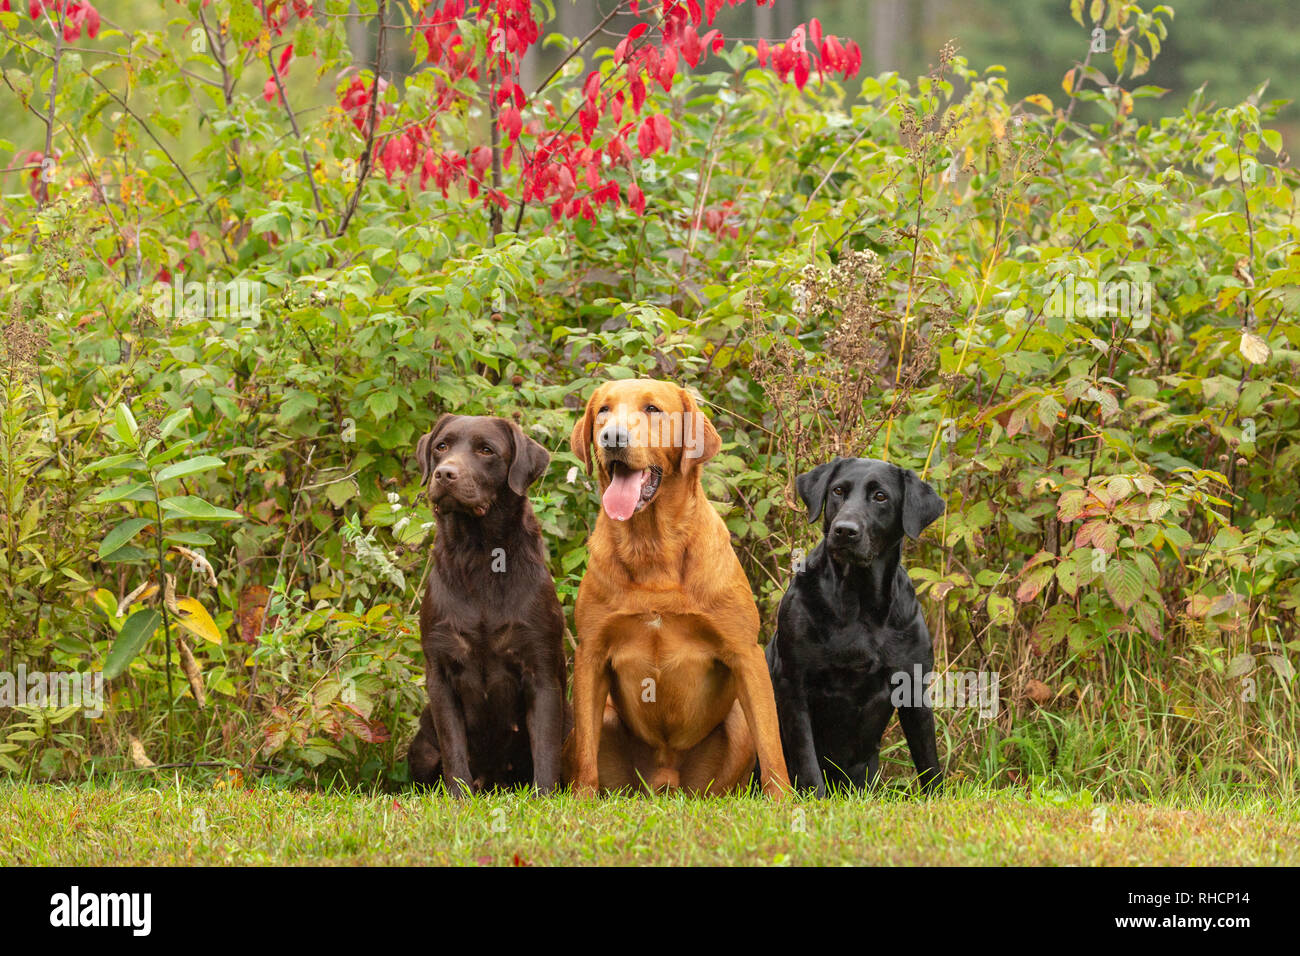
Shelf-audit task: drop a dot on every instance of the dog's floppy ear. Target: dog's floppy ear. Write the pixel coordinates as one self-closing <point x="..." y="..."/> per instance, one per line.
<point x="528" y="463"/>
<point x="812" y="487"/>
<point x="580" y="440"/>
<point x="921" y="504"/>
<point x="424" y="448"/>
<point x="700" y="440"/>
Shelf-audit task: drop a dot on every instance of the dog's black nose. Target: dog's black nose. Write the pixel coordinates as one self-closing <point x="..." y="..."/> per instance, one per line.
<point x="445" y="473"/>
<point x="845" y="531"/>
<point x="613" y="436"/>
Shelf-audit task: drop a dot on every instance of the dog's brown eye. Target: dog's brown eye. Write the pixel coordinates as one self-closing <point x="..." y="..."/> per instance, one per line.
<point x="486" y="450"/>
<point x="652" y="410"/>
<point x="838" y="492"/>
<point x="441" y="446"/>
<point x="881" y="496"/>
<point x="603" y="410"/>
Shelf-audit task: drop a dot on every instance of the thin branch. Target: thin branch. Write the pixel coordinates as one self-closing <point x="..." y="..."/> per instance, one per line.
<point x="44" y="191"/>
<point x="574" y="52"/>
<point x="372" y="121"/>
<point x="293" y="122"/>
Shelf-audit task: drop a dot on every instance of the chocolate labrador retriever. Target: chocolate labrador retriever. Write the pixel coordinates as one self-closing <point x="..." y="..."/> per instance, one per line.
<point x="490" y="623"/>
<point x="849" y="623"/>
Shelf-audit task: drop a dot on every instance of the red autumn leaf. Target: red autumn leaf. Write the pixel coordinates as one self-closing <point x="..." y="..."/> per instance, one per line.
<point x="801" y="72"/>
<point x="691" y="46"/>
<point x="564" y="182"/>
<point x="587" y="119"/>
<point x="636" y="199"/>
<point x="637" y="86"/>
<point x="645" y="139"/>
<point x="663" y="131"/>
<point x="667" y="70"/>
<point x="511" y="122"/>
<point x="833" y="53"/>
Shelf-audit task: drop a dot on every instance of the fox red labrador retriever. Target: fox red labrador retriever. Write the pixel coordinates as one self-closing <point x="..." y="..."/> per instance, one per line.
<point x="670" y="686"/>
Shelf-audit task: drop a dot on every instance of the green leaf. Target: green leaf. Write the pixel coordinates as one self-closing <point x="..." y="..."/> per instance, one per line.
<point x="1124" y="583"/>
<point x="137" y="630"/>
<point x="124" y="424"/>
<point x="245" y="24"/>
<point x="173" y="421"/>
<point x="191" y="539"/>
<point x="197" y="509"/>
<point x="120" y="535"/>
<point x="131" y="491"/>
<point x="128" y="552"/>
<point x="381" y="404"/>
<point x="190" y="466"/>
<point x="130" y="462"/>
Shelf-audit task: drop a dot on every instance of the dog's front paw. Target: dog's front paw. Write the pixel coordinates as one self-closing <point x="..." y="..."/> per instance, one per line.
<point x="586" y="788"/>
<point x="776" y="789"/>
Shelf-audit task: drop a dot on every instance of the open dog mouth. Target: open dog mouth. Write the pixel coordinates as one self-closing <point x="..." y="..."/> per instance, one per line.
<point x="629" y="491"/>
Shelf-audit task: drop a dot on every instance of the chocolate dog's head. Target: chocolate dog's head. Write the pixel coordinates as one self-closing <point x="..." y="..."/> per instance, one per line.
<point x="868" y="505"/>
<point x="649" y="436"/>
<point x="467" y="461"/>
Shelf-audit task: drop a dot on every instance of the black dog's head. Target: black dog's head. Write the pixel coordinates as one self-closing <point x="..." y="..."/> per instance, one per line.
<point x="467" y="460"/>
<point x="869" y="505"/>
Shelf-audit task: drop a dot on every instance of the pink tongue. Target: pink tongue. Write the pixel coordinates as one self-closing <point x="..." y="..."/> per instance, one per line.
<point x="623" y="493"/>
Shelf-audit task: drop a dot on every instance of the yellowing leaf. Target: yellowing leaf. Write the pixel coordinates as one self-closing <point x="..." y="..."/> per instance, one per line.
<point x="1254" y="348"/>
<point x="1041" y="101"/>
<point x="195" y="618"/>
<point x="105" y="601"/>
<point x="1067" y="83"/>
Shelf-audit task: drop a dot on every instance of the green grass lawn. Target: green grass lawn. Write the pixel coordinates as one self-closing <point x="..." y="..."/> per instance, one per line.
<point x="175" y="820"/>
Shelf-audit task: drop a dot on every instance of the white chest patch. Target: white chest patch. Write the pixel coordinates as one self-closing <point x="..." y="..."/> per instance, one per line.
<point x="656" y="621"/>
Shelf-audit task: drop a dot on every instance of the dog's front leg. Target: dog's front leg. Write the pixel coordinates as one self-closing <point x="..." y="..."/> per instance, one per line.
<point x="590" y="688"/>
<point x="918" y="728"/>
<point x="754" y="687"/>
<point x="800" y="750"/>
<point x="449" y="724"/>
<point x="545" y="734"/>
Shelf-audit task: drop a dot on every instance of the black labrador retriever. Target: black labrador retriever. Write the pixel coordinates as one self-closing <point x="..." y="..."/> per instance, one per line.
<point x="849" y="623"/>
<point x="490" y="624"/>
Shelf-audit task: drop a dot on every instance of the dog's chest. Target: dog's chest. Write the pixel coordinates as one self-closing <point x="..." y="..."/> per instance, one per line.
<point x="656" y="643"/>
<point x="849" y="649"/>
<point x="668" y="683"/>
